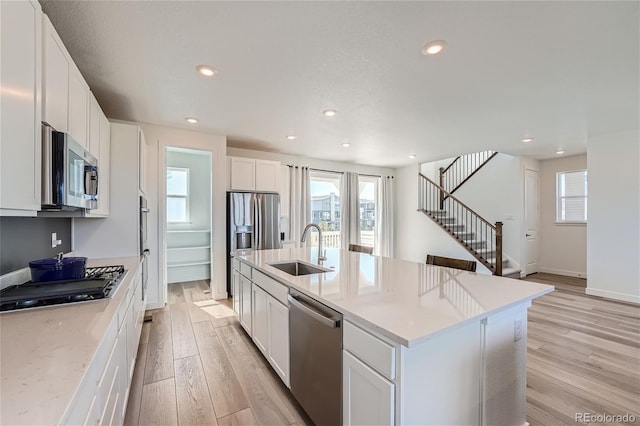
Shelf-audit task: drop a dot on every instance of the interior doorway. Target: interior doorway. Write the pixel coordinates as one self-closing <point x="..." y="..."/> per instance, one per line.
<point x="188" y="215"/>
<point x="531" y="220"/>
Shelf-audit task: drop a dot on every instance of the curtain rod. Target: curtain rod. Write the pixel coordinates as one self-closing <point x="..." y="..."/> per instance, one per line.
<point x="341" y="173"/>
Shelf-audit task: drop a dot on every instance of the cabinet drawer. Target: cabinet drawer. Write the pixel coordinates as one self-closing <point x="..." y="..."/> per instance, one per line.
<point x="379" y="355"/>
<point x="271" y="286"/>
<point x="124" y="305"/>
<point x="109" y="374"/>
<point x="93" y="416"/>
<point x="245" y="270"/>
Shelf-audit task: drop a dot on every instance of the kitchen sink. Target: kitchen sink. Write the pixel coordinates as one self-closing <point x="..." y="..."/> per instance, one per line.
<point x="297" y="268"/>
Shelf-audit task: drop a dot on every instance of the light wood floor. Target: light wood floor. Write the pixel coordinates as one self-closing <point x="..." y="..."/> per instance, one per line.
<point x="583" y="355"/>
<point x="197" y="366"/>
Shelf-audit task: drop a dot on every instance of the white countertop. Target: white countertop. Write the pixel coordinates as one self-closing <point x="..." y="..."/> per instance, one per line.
<point x="45" y="352"/>
<point x="406" y="301"/>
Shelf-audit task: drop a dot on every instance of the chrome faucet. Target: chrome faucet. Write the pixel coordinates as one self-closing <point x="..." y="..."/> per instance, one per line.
<point x="321" y="256"/>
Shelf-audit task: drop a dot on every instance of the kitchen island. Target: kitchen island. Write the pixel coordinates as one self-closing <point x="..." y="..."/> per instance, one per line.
<point x="421" y="344"/>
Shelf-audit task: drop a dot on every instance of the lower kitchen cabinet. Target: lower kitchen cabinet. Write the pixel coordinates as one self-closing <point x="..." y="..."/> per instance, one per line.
<point x="245" y="304"/>
<point x="278" y="338"/>
<point x="235" y="290"/>
<point x="367" y="397"/>
<point x="260" y="319"/>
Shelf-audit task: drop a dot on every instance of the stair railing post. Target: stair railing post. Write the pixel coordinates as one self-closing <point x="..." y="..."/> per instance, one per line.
<point x="441" y="186"/>
<point x="499" y="249"/>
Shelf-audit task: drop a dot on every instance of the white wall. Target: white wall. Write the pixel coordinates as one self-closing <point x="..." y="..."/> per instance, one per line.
<point x="199" y="166"/>
<point x="158" y="138"/>
<point x="613" y="223"/>
<point x="563" y="247"/>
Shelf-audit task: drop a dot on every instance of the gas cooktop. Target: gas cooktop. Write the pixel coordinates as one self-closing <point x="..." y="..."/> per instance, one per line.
<point x="98" y="283"/>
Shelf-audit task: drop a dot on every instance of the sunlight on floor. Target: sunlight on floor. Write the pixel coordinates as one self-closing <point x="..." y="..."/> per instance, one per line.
<point x="214" y="308"/>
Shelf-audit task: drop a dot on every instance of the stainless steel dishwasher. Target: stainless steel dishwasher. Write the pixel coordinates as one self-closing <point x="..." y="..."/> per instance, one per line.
<point x="316" y="358"/>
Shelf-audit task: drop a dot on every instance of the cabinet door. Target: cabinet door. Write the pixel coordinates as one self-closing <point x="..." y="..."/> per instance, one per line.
<point x="142" y="158"/>
<point x="55" y="90"/>
<point x="236" y="292"/>
<point x="78" y="107"/>
<point x="278" y="344"/>
<point x="245" y="304"/>
<point x="243" y="174"/>
<point x="20" y="132"/>
<point x="260" y="320"/>
<point x="267" y="173"/>
<point x="367" y="397"/>
<point x="104" y="166"/>
<point x="94" y="127"/>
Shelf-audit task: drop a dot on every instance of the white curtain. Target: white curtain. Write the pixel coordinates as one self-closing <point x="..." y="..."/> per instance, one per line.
<point x="384" y="216"/>
<point x="350" y="210"/>
<point x="299" y="201"/>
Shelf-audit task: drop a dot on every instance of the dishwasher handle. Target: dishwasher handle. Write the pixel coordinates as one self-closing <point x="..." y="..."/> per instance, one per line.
<point x="329" y="322"/>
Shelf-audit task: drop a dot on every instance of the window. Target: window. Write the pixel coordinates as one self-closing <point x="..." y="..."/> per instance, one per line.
<point x="177" y="195"/>
<point x="571" y="200"/>
<point x="368" y="200"/>
<point x="325" y="206"/>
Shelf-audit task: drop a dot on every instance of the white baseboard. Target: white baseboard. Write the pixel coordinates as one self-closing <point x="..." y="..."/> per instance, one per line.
<point x="220" y="295"/>
<point x="613" y="295"/>
<point x="154" y="305"/>
<point x="564" y="272"/>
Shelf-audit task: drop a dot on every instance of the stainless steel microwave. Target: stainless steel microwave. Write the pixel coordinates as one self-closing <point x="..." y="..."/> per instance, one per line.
<point x="69" y="173"/>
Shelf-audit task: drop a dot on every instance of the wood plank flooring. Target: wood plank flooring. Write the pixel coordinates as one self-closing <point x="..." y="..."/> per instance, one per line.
<point x="583" y="355"/>
<point x="197" y="366"/>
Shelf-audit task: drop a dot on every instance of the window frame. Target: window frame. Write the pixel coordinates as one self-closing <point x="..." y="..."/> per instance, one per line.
<point x="559" y="198"/>
<point x="176" y="196"/>
<point x="375" y="180"/>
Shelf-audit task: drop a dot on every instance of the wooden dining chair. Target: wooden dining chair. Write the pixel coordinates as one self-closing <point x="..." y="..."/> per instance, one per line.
<point x="361" y="249"/>
<point x="449" y="262"/>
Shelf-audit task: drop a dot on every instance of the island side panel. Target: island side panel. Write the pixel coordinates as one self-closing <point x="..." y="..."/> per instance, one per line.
<point x="440" y="379"/>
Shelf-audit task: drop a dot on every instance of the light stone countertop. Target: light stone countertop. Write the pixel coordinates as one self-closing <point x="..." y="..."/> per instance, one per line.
<point x="45" y="352"/>
<point x="406" y="301"/>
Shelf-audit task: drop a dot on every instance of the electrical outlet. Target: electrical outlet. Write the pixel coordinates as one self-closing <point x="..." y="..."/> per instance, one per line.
<point x="517" y="330"/>
<point x="55" y="242"/>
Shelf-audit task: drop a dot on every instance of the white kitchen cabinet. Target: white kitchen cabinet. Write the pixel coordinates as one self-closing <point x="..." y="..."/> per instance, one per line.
<point x="245" y="304"/>
<point x="367" y="397"/>
<point x="278" y="343"/>
<point x="260" y="319"/>
<point x="235" y="283"/>
<point x="247" y="174"/>
<point x="20" y="132"/>
<point x="55" y="78"/>
<point x="78" y="106"/>
<point x="100" y="147"/>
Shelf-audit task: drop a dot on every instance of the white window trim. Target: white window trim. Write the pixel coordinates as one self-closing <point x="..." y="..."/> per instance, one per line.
<point x="186" y="197"/>
<point x="559" y="221"/>
<point x="376" y="181"/>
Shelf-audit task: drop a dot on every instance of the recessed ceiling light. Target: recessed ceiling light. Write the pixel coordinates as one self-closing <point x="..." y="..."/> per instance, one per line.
<point x="329" y="112"/>
<point x="527" y="140"/>
<point x="191" y="120"/>
<point x="433" y="47"/>
<point x="346" y="145"/>
<point x="291" y="137"/>
<point x="412" y="156"/>
<point x="560" y="151"/>
<point x="206" y="70"/>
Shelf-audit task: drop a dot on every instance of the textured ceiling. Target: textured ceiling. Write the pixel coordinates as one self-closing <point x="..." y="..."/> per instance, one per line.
<point x="556" y="71"/>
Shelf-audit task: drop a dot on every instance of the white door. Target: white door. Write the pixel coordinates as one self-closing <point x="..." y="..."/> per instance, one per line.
<point x="278" y="346"/>
<point x="531" y="220"/>
<point x="260" y="320"/>
<point x="245" y="304"/>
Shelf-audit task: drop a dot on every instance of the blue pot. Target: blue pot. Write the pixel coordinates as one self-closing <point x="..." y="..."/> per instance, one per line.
<point x="68" y="268"/>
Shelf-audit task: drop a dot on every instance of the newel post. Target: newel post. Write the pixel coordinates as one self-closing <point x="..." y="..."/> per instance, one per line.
<point x="499" y="248"/>
<point x="441" y="186"/>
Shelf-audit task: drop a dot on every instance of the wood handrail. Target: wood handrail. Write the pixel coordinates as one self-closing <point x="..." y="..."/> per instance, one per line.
<point x="451" y="164"/>
<point x="474" y="172"/>
<point x="460" y="202"/>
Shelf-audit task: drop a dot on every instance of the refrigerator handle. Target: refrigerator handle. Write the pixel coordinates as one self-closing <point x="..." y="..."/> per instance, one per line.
<point x="257" y="228"/>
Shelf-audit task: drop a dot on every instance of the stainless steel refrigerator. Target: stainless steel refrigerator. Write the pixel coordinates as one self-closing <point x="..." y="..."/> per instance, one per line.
<point x="253" y="223"/>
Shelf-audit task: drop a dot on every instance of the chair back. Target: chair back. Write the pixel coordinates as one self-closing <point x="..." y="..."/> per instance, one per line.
<point x="361" y="249"/>
<point x="449" y="262"/>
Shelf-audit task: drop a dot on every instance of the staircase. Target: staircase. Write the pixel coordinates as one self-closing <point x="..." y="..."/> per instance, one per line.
<point x="483" y="240"/>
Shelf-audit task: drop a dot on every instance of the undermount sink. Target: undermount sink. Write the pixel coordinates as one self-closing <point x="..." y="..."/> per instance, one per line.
<point x="297" y="268"/>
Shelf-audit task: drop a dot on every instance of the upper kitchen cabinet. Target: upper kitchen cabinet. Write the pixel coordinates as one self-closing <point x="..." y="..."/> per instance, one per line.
<point x="55" y="79"/>
<point x="100" y="147"/>
<point x="142" y="162"/>
<point x="65" y="93"/>
<point x="20" y="132"/>
<point x="247" y="174"/>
